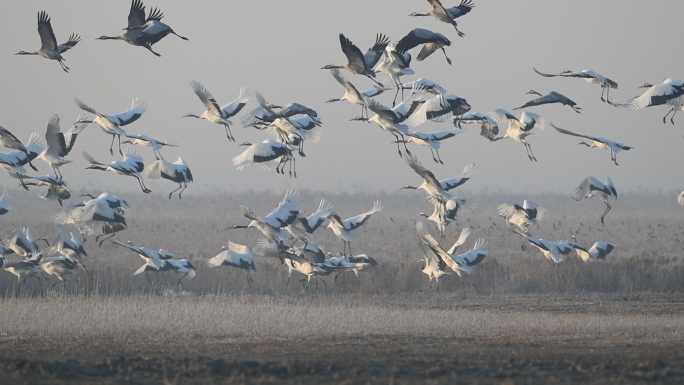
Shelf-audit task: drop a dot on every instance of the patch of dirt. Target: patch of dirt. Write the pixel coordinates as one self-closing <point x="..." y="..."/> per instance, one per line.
<point x="377" y="360"/>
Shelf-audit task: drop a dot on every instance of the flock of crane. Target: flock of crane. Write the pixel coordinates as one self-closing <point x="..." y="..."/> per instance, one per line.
<point x="292" y="125"/>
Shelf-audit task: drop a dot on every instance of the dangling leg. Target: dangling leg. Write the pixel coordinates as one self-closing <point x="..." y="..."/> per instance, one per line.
<point x="229" y="133"/>
<point x="350" y="252"/>
<point x="120" y="152"/>
<point x="666" y="115"/>
<point x="439" y="157"/>
<point x="185" y="185"/>
<point x="182" y="37"/>
<point x="403" y="139"/>
<point x="394" y="102"/>
<point x="324" y="285"/>
<point x="531" y="153"/>
<point x="301" y="147"/>
<point x="111" y="146"/>
<point x="432" y="152"/>
<point x="376" y="82"/>
<point x="180" y="186"/>
<point x="527" y="151"/>
<point x="142" y="186"/>
<point x="104" y="235"/>
<point x="445" y="55"/>
<point x="673" y="115"/>
<point x="460" y="34"/>
<point x="294" y="166"/>
<point x="398" y="148"/>
<point x="149" y="48"/>
<point x="605" y="212"/>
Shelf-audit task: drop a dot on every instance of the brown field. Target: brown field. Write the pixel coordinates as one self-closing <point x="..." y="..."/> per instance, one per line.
<point x="523" y="320"/>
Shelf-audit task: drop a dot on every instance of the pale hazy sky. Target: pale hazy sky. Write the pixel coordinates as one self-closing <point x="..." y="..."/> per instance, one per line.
<point x="278" y="47"/>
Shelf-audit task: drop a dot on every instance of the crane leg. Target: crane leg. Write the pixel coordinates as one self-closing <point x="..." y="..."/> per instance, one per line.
<point x="394" y="102"/>
<point x="460" y="34"/>
<point x="301" y="146"/>
<point x="605" y="212"/>
<point x="398" y="148"/>
<point x="462" y="287"/>
<point x="602" y="92"/>
<point x="142" y="186"/>
<point x="120" y="152"/>
<point x="673" y="115"/>
<point x="64" y="66"/>
<point x="86" y="270"/>
<point x="376" y="82"/>
<point x="180" y="186"/>
<point x="350" y="252"/>
<point x="150" y="49"/>
<point x="111" y="146"/>
<point x="325" y="285"/>
<point x="666" y="115"/>
<point x="439" y="158"/>
<point x="229" y="134"/>
<point x="181" y="191"/>
<point x="399" y="87"/>
<point x="445" y="55"/>
<point x="405" y="148"/>
<point x="182" y="37"/>
<point x="531" y="153"/>
<point x="97" y="239"/>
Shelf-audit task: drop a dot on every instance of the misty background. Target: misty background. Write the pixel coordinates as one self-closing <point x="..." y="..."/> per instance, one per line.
<point x="278" y="48"/>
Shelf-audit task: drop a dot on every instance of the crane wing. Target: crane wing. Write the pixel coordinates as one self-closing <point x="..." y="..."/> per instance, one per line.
<point x="47" y="37"/>
<point x="206" y="97"/>
<point x="465" y="233"/>
<point x="566" y="132"/>
<point x="460" y="10"/>
<point x="315" y="220"/>
<point x="130" y="115"/>
<point x="74" y="38"/>
<point x="233" y="108"/>
<point x="354" y="56"/>
<point x="546" y="75"/>
<point x="654" y="96"/>
<point x="375" y="52"/>
<point x="136" y="16"/>
<point x="160" y="169"/>
<point x="589" y="183"/>
<point x="55" y="139"/>
<point x="286" y="212"/>
<point x="357" y="221"/>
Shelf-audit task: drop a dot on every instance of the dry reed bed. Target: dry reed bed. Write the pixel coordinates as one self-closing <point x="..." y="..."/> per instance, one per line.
<point x="647" y="228"/>
<point x="261" y="317"/>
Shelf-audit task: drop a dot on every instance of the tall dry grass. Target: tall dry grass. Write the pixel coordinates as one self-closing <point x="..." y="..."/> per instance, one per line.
<point x="245" y="317"/>
<point x="647" y="228"/>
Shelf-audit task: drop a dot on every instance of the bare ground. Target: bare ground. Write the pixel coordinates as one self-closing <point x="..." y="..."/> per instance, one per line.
<point x="553" y="339"/>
